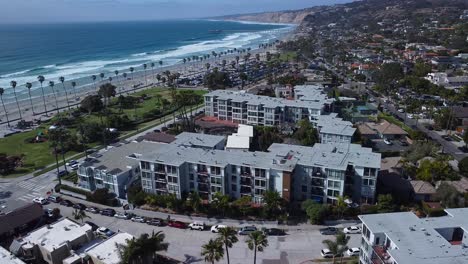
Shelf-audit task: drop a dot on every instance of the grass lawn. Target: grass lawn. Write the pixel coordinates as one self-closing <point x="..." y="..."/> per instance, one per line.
<point x="288" y="56"/>
<point x="37" y="156"/>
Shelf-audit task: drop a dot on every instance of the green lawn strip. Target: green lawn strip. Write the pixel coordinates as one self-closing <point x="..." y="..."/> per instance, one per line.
<point x="35" y="158"/>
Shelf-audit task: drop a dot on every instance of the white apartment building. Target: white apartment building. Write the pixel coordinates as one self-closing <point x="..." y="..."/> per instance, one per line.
<point x="404" y="238"/>
<point x="322" y="172"/>
<point x="244" y="108"/>
<point x="333" y="129"/>
<point x="118" y="167"/>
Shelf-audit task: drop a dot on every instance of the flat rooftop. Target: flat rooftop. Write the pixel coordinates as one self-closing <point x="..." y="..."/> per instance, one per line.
<point x="107" y="251"/>
<point x="57" y="234"/>
<point x="417" y="240"/>
<point x="118" y="158"/>
<point x="198" y="140"/>
<point x="7" y="258"/>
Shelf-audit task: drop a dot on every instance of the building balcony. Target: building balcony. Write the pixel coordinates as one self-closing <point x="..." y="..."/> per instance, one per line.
<point x="203" y="179"/>
<point x="202" y="172"/>
<point x="158" y="171"/>
<point x="318" y="182"/>
<point x="246" y="182"/>
<point x="161" y="186"/>
<point x="317" y="191"/>
<point x="381" y="256"/>
<point x="203" y="189"/>
<point x="161" y="179"/>
<point x="246" y="190"/>
<point x="246" y="174"/>
<point x="318" y="174"/>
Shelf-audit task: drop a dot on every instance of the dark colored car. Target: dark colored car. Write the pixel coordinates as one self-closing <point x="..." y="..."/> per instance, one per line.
<point x="62" y="173"/>
<point x="79" y="206"/>
<point x="155" y="222"/>
<point x="274" y="232"/>
<point x="329" y="231"/>
<point x="464" y="149"/>
<point x="403" y="143"/>
<point x="66" y="203"/>
<point x="177" y="224"/>
<point x="108" y="212"/>
<point x="157" y="131"/>
<point x="93" y="225"/>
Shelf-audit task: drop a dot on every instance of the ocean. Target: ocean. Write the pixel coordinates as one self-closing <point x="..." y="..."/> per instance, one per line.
<point x="76" y="51"/>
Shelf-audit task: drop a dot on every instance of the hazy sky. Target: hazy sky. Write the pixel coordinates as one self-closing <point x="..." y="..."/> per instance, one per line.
<point x="25" y="11"/>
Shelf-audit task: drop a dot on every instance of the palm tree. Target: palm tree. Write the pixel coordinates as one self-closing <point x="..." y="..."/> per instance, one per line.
<point x="52" y="84"/>
<point x="160" y="63"/>
<point x="143" y="249"/>
<point x="257" y="241"/>
<point x="228" y="236"/>
<point x="29" y="86"/>
<point x="4" y="109"/>
<point x="339" y="246"/>
<point x="131" y="71"/>
<point x="73" y="84"/>
<point x="144" y="67"/>
<point x="13" y="85"/>
<point x="94" y="81"/>
<point x="102" y="75"/>
<point x="152" y="70"/>
<point x="62" y="80"/>
<point x="41" y="79"/>
<point x="80" y="215"/>
<point x="212" y="251"/>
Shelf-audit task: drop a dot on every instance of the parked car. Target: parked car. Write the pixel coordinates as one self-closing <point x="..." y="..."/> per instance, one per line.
<point x="353" y="252"/>
<point x="75" y="166"/>
<point x="447" y="137"/>
<point x="105" y="231"/>
<point x="79" y="206"/>
<point x="387" y="141"/>
<point x="328" y="231"/>
<point x="93" y="225"/>
<point x="247" y="230"/>
<point x="177" y="224"/>
<point x="157" y="130"/>
<point x="401" y="110"/>
<point x="326" y="253"/>
<point x="155" y="222"/>
<point x="93" y="210"/>
<point x="62" y="173"/>
<point x="108" y="212"/>
<point x="410" y="116"/>
<point x="197" y="226"/>
<point x="274" y="232"/>
<point x="54" y="198"/>
<point x="40" y="200"/>
<point x="216" y="228"/>
<point x="352" y="230"/>
<point x="464" y="149"/>
<point x="71" y="162"/>
<point x="66" y="203"/>
<point x="122" y="216"/>
<point x="138" y="219"/>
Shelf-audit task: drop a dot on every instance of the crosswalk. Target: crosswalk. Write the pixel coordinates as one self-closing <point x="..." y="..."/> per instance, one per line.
<point x="34" y="190"/>
<point x="30" y="196"/>
<point x="30" y="185"/>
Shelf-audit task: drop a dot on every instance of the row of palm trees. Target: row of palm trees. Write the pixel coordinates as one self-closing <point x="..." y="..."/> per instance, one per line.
<point x="215" y="248"/>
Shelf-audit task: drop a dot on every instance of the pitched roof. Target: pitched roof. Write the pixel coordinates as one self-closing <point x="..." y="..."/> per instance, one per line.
<point x="422" y="187"/>
<point x="384" y="128"/>
<point x="19" y="217"/>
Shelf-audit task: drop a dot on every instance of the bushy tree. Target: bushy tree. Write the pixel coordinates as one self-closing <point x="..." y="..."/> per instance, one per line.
<point x="315" y="211"/>
<point x="306" y="133"/>
<point x="463" y="166"/>
<point x="385" y="203"/>
<point x="92" y="103"/>
<point x="216" y="80"/>
<point x="435" y="170"/>
<point x="449" y="196"/>
<point x="264" y="137"/>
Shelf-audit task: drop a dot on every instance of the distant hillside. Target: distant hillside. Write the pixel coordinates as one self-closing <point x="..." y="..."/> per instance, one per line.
<point x="358" y="11"/>
<point x="290" y="17"/>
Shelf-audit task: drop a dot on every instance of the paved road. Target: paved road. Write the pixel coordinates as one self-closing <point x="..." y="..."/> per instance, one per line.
<point x="296" y="247"/>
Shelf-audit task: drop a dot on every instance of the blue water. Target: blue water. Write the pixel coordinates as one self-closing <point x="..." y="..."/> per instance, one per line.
<point x="79" y="50"/>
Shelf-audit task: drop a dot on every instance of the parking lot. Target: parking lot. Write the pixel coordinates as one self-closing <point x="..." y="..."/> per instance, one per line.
<point x="297" y="246"/>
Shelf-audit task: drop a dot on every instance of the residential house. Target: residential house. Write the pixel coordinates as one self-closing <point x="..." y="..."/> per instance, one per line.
<point x="382" y="129"/>
<point x="423" y="191"/>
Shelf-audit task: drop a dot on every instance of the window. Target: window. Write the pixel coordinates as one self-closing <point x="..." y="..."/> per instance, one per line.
<point x="333" y="193"/>
<point x="215" y="170"/>
<point x="146" y="175"/>
<point x="215" y="189"/>
<point x="260" y="183"/>
<point x="216" y="180"/>
<point x="171" y="169"/>
<point x="172" y="179"/>
<point x="370" y="172"/>
<point x="192" y="185"/>
<point x="173" y="188"/>
<point x="368" y="182"/>
<point x="234" y="188"/>
<point x="233" y="169"/>
<point x="145" y="165"/>
<point x="304" y="188"/>
<point x="191" y="176"/>
<point x="334" y="184"/>
<point x="259" y="191"/>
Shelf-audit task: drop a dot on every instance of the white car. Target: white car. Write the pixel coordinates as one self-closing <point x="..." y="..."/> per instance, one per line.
<point x="410" y="116"/>
<point x="138" y="219"/>
<point x="353" y="252"/>
<point x="352" y="230"/>
<point x="71" y="162"/>
<point x="326" y="253"/>
<point x="401" y="110"/>
<point x="75" y="166"/>
<point x="216" y="228"/>
<point x="197" y="226"/>
<point x="105" y="231"/>
<point x="388" y="142"/>
<point x="40" y="200"/>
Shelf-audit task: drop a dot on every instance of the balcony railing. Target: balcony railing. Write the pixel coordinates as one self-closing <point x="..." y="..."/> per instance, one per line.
<point x="202" y="172"/>
<point x="161" y="179"/>
<point x="246" y="190"/>
<point x="380" y="255"/>
<point x="246" y="182"/>
<point x="318" y="174"/>
<point x="203" y="179"/>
